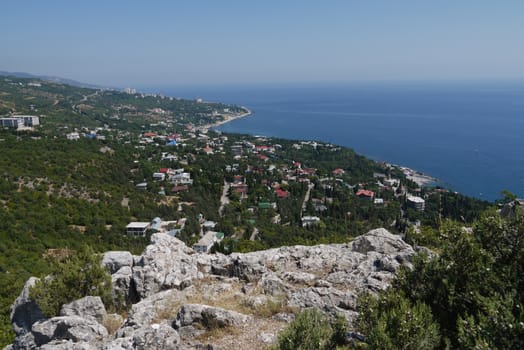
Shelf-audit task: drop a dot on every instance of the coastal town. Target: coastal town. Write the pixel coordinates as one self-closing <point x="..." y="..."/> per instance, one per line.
<point x="254" y="186"/>
<point x="128" y="172"/>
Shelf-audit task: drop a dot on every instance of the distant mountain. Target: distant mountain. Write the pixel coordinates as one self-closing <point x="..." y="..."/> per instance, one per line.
<point x="52" y="79"/>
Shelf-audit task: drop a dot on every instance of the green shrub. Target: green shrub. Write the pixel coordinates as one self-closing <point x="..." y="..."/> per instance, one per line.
<point x="73" y="277"/>
<point x="393" y="322"/>
<point x="311" y="331"/>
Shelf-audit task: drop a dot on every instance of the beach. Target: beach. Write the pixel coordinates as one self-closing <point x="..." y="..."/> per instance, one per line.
<point x="227" y="118"/>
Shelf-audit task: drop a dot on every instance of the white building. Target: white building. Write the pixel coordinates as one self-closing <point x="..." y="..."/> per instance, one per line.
<point x="137" y="228"/>
<point x="159" y="176"/>
<point x="181" y="179"/>
<point x="310" y="220"/>
<point x="29" y="120"/>
<point x="207" y="242"/>
<point x="73" y="136"/>
<point x="416" y="203"/>
<point x="14" y="123"/>
<point x="20" y="121"/>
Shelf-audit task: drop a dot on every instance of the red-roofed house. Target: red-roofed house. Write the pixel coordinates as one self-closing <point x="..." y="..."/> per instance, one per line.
<point x="238" y="179"/>
<point x="163" y="170"/>
<point x="264" y="148"/>
<point x="308" y="171"/>
<point x="150" y="134"/>
<point x="262" y="157"/>
<point x="338" y="172"/>
<point x="241" y="189"/>
<point x="207" y="150"/>
<point x="365" y="194"/>
<point x="281" y="193"/>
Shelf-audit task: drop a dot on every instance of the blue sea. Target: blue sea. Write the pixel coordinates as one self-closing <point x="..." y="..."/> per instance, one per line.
<point x="469" y="136"/>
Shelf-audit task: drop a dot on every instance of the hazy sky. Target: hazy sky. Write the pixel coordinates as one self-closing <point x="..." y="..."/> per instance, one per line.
<point x="137" y="43"/>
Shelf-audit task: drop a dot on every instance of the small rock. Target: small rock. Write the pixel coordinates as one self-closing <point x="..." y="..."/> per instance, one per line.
<point x="267" y="338"/>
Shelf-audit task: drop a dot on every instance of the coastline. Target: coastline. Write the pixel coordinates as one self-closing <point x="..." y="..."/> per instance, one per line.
<point x="227" y="119"/>
<point x="421" y="179"/>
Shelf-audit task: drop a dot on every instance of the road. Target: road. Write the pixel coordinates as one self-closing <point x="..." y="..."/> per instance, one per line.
<point x="306" y="197"/>
<point x="224" y="199"/>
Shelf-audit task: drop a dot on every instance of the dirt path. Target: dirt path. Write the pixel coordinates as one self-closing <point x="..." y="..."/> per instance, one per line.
<point x="224" y="199"/>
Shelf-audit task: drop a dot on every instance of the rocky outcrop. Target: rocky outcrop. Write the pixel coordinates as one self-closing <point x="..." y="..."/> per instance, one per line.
<point x="178" y="295"/>
<point x="165" y="264"/>
<point x="25" y="311"/>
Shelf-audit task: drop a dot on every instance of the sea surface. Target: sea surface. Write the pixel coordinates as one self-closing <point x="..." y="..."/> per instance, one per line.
<point x="469" y="136"/>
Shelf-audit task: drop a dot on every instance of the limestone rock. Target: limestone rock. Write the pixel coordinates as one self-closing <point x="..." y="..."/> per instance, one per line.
<point x="169" y="284"/>
<point x="25" y="311"/>
<point x="73" y="328"/>
<point x="380" y="241"/>
<point x="25" y="341"/>
<point x="165" y="264"/>
<point x="123" y="286"/>
<point x="86" y="307"/>
<point x="67" y="345"/>
<point x="147" y="310"/>
<point x="272" y="285"/>
<point x="208" y="316"/>
<point x="156" y="336"/>
<point x="115" y="260"/>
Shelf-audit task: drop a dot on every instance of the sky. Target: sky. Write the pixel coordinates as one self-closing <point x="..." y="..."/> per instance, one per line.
<point x="217" y="42"/>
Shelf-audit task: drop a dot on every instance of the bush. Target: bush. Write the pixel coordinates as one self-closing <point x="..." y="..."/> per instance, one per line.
<point x="73" y="277"/>
<point x="393" y="322"/>
<point x="311" y="331"/>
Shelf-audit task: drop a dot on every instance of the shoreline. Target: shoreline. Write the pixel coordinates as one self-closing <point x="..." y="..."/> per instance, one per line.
<point x="226" y="119"/>
<point x="421" y="179"/>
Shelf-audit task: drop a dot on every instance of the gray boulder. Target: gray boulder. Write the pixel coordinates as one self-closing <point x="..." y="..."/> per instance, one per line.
<point x="123" y="287"/>
<point x="23" y="342"/>
<point x="327" y="299"/>
<point x="154" y="336"/>
<point x="119" y="344"/>
<point x="74" y="328"/>
<point x="380" y="241"/>
<point x="165" y="264"/>
<point x="272" y="285"/>
<point x="25" y="311"/>
<point x="115" y="260"/>
<point x="86" y="307"/>
<point x="160" y="305"/>
<point x="67" y="345"/>
<point x="208" y="316"/>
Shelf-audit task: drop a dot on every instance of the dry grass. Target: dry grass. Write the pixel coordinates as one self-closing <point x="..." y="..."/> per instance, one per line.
<point x="112" y="322"/>
<point x="229" y="299"/>
<point x="218" y="333"/>
<point x="273" y="306"/>
<point x="168" y="309"/>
